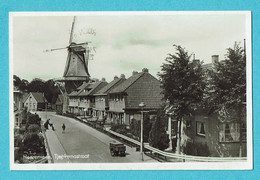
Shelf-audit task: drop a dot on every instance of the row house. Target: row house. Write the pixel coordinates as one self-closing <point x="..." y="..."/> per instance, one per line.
<point x="124" y="100"/>
<point x="101" y="98"/>
<point x="82" y="100"/>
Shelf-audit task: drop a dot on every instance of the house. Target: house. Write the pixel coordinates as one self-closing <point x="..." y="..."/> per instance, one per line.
<point x="18" y="97"/>
<point x="101" y="98"/>
<point x="59" y="103"/>
<point x="218" y="128"/>
<point x="35" y="101"/>
<point x="124" y="99"/>
<point x="82" y="100"/>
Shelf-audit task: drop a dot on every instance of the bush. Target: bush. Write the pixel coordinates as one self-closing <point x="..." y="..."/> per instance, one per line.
<point x="196" y="149"/>
<point x="158" y="137"/>
<point x="34" y="144"/>
<point x="33" y="119"/>
<point x="119" y="128"/>
<point x="135" y="127"/>
<point x="34" y="128"/>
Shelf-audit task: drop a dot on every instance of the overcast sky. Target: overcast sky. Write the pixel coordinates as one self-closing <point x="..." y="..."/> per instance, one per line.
<point x="123" y="43"/>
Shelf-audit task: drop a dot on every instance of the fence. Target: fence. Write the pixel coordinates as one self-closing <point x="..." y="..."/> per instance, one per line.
<point x="181" y="156"/>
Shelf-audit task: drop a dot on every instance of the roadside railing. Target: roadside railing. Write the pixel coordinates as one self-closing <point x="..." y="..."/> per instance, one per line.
<point x="182" y="157"/>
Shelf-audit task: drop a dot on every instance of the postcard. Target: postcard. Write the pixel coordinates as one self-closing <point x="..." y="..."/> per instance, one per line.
<point x="154" y="90"/>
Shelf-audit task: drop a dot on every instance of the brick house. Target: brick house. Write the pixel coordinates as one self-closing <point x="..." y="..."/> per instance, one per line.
<point x="82" y="100"/>
<point x="124" y="100"/>
<point x="35" y="101"/>
<point x="101" y="98"/>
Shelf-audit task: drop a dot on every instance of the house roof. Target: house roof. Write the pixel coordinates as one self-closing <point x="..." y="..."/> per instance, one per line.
<point x="39" y="97"/>
<point x="80" y="89"/>
<point x="128" y="82"/>
<point x="113" y="84"/>
<point x="141" y="87"/>
<point x="92" y="88"/>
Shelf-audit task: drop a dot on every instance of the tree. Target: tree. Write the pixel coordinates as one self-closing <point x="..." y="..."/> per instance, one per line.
<point x="228" y="82"/>
<point x="157" y="136"/>
<point x="183" y="84"/>
<point x="135" y="127"/>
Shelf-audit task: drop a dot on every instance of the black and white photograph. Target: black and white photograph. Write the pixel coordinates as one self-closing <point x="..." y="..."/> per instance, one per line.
<point x="133" y="90"/>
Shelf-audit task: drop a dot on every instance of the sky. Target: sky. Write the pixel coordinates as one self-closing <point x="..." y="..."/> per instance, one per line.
<point x="123" y="43"/>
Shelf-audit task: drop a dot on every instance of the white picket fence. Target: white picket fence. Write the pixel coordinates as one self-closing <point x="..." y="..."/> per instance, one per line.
<point x="182" y="157"/>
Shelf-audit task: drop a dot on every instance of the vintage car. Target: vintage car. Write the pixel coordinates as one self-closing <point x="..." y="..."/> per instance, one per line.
<point x="117" y="149"/>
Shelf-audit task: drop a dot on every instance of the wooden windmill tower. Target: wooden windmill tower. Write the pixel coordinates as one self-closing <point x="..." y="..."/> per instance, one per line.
<point x="76" y="68"/>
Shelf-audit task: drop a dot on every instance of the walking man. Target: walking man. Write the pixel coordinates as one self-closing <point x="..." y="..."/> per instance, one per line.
<point x="63" y="128"/>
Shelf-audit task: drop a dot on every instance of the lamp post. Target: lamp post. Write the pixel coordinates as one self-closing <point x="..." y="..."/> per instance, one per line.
<point x="142" y="105"/>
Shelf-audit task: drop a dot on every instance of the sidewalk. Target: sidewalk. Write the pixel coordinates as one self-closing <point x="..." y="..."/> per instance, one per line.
<point x="55" y="147"/>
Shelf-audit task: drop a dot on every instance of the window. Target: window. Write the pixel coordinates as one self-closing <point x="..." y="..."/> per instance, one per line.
<point x="229" y="132"/>
<point x="200" y="128"/>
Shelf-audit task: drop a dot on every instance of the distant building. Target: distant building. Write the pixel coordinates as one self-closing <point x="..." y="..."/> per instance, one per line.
<point x="59" y="103"/>
<point x="101" y="98"/>
<point x="35" y="101"/>
<point x="124" y="99"/>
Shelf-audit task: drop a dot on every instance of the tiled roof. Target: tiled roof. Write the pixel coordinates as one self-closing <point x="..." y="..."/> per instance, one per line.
<point x="145" y="89"/>
<point x="93" y="88"/>
<point x="110" y="86"/>
<point x="39" y="97"/>
<point x="80" y="89"/>
<point x="128" y="82"/>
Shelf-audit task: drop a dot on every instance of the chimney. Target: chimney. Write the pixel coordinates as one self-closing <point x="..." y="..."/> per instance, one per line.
<point x="145" y="70"/>
<point x="214" y="59"/>
<point x="103" y="79"/>
<point x="116" y="77"/>
<point x="122" y="76"/>
<point x="134" y="73"/>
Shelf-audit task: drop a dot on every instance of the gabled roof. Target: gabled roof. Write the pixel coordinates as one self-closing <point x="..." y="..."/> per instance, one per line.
<point x="39" y="97"/>
<point x="110" y="86"/>
<point x="92" y="88"/>
<point x="127" y="83"/>
<point x="80" y="89"/>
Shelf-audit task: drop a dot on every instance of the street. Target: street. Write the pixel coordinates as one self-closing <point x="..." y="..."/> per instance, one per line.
<point x="82" y="140"/>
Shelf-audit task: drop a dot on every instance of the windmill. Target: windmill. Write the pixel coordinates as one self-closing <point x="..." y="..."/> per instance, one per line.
<point x="76" y="68"/>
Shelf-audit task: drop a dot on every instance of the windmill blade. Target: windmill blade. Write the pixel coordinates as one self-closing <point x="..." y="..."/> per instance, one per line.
<point x="72" y="29"/>
<point x="49" y="50"/>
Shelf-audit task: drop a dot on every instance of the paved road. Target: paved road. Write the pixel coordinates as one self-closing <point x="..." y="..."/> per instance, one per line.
<point x="80" y="139"/>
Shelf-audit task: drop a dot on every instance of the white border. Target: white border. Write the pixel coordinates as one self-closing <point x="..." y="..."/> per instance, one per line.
<point x="248" y="165"/>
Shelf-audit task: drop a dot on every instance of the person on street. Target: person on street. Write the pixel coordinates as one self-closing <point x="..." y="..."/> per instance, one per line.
<point x="52" y="126"/>
<point x="63" y="128"/>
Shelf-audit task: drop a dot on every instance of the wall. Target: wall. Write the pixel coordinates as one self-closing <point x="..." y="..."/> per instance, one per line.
<point x="116" y="105"/>
<point x="216" y="147"/>
<point x="100" y="102"/>
<point x="30" y="103"/>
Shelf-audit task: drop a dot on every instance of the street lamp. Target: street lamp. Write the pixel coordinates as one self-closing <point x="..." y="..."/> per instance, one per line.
<point x="142" y="105"/>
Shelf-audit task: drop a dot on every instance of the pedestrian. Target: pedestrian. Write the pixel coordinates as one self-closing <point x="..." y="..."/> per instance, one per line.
<point x="52" y="127"/>
<point x="63" y="128"/>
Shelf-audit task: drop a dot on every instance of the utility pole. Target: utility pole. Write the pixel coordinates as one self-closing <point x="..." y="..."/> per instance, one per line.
<point x="142" y="105"/>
